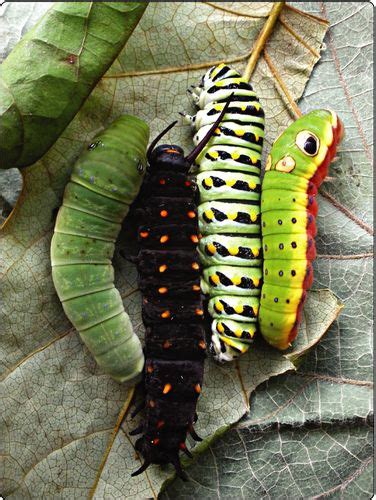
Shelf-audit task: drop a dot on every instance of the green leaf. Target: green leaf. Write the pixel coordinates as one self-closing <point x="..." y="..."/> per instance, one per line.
<point x="52" y="70"/>
<point x="60" y="411"/>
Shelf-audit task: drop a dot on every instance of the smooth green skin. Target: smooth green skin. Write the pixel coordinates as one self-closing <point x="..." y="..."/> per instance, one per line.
<point x="279" y="190"/>
<point x="48" y="75"/>
<point x="104" y="181"/>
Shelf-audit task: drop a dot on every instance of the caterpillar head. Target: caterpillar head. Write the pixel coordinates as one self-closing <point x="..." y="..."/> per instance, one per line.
<point x="169" y="156"/>
<point x="307" y="146"/>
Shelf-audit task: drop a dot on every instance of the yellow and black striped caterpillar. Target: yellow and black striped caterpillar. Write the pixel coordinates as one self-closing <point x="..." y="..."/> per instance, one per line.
<point x="229" y="211"/>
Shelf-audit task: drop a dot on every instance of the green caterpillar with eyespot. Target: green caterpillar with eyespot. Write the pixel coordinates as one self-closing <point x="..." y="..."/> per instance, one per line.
<point x="296" y="166"/>
<point x="242" y="297"/>
<point x="104" y="182"/>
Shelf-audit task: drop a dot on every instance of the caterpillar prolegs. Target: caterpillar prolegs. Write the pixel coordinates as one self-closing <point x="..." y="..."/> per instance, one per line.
<point x="229" y="212"/>
<point x="104" y="182"/>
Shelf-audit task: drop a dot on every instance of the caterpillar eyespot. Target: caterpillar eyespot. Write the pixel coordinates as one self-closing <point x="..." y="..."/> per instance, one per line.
<point x="308" y="142"/>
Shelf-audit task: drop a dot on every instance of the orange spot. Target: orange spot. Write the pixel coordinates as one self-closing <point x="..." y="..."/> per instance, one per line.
<point x="191" y="214"/>
<point x="162" y="182"/>
<point x="163" y="213"/>
<point x="162" y="268"/>
<point x="194" y="238"/>
<point x="195" y="265"/>
<point x="202" y="344"/>
<point x="198" y="388"/>
<point x="182" y="446"/>
<point x="187" y="183"/>
<point x="155" y="441"/>
<point x="167" y="388"/>
<point x="217" y="131"/>
<point x="166" y="344"/>
<point x="171" y="150"/>
<point x="162" y="289"/>
<point x="150" y="369"/>
<point x="152" y="403"/>
<point x="196" y="288"/>
<point x="164" y="238"/>
<point x="199" y="312"/>
<point x="144" y="234"/>
<point x="160" y="424"/>
<point x="165" y="314"/>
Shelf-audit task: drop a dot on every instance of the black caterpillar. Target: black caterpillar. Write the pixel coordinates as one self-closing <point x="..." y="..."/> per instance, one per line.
<point x="172" y="308"/>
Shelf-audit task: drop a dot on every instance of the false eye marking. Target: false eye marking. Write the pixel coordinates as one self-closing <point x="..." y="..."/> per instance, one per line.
<point x="286" y="164"/>
<point x="308" y="142"/>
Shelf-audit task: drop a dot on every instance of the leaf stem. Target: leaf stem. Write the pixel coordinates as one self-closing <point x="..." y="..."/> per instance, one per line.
<point x="262" y="38"/>
<point x="119" y="421"/>
<point x="294" y="107"/>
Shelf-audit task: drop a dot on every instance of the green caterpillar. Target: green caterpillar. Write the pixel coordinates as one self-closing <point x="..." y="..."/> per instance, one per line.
<point x="242" y="297"/>
<point x="104" y="182"/>
<point x="298" y="163"/>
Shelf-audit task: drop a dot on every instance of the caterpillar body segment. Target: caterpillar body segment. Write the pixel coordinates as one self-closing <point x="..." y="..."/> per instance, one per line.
<point x="228" y="179"/>
<point x="104" y="181"/>
<point x="298" y="162"/>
